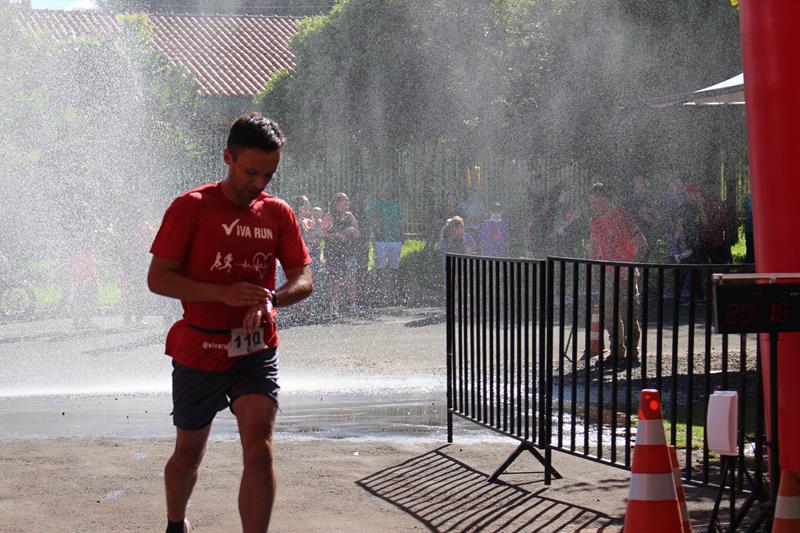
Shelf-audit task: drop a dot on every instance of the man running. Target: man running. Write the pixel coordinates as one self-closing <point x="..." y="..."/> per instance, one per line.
<point x="216" y="252"/>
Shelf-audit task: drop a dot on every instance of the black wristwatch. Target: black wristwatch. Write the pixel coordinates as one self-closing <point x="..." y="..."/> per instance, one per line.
<point x="274" y="298"/>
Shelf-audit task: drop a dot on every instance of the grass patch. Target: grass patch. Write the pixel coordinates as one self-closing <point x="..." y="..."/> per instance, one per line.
<point x="411" y="246"/>
<point x="698" y="433"/>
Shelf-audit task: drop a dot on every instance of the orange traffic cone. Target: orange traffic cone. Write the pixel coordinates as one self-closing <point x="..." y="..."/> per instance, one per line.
<point x="652" y="499"/>
<point x="594" y="331"/>
<point x="676" y="475"/>
<point x="787" y="508"/>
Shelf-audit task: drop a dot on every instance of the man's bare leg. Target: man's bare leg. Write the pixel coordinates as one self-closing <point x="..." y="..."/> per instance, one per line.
<point x="180" y="474"/>
<point x="256" y="418"/>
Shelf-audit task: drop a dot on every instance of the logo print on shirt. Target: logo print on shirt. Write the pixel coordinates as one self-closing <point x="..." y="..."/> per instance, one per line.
<point x="221" y="263"/>
<point x="229" y="228"/>
<point x="259" y="264"/>
<point x="247" y="231"/>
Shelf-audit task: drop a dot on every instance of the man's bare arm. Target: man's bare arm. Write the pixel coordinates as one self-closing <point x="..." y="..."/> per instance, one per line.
<point x="297" y="287"/>
<point x="163" y="278"/>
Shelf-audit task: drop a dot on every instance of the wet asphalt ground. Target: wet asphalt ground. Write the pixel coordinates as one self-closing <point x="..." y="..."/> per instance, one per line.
<point x="366" y="373"/>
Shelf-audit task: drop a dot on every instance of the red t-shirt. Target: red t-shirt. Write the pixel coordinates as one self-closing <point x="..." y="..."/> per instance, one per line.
<point x="220" y="242"/>
<point x="613" y="235"/>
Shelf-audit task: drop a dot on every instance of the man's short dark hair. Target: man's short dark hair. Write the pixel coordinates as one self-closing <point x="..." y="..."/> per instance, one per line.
<point x="255" y="131"/>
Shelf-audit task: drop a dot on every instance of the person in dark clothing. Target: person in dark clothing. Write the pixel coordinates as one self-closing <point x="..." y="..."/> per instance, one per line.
<point x="454" y="239"/>
<point x="494" y="233"/>
<point x="341" y="233"/>
<point x="359" y="208"/>
<point x="563" y="226"/>
<point x="539" y="225"/>
<point x="711" y="222"/>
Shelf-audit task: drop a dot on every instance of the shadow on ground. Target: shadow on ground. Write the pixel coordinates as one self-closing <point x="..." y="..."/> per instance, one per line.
<point x="445" y="494"/>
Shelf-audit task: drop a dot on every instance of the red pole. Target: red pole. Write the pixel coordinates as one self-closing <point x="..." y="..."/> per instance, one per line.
<point x="770" y="50"/>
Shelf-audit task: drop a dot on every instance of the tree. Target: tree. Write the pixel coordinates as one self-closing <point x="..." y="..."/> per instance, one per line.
<point x="97" y="133"/>
<point x="514" y="79"/>
<point x="384" y="75"/>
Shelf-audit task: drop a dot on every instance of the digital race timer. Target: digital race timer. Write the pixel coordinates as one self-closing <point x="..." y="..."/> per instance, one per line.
<point x="756" y="308"/>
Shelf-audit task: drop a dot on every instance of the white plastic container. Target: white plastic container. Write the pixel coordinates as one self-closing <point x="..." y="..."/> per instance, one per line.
<point x="722" y="421"/>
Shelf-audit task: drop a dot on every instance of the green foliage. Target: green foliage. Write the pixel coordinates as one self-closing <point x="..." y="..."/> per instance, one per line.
<point x="421" y="271"/>
<point x="274" y="98"/>
<point x="517" y="79"/>
<point x="365" y="64"/>
<point x="410" y="247"/>
<point x="739" y="250"/>
<point x="94" y="130"/>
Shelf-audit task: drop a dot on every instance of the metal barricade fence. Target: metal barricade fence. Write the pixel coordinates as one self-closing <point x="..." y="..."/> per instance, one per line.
<point x="520" y="356"/>
<point x="495" y="349"/>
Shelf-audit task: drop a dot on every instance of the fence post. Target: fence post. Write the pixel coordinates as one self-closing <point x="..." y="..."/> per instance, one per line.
<point x="450" y="334"/>
<point x="548" y="377"/>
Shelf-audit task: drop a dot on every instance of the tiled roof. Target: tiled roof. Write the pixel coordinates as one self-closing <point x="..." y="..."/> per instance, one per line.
<point x="228" y="55"/>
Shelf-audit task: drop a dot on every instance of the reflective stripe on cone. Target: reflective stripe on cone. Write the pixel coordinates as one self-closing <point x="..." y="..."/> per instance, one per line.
<point x="676" y="474"/>
<point x="652" y="487"/>
<point x="652" y="499"/>
<point x="650" y="432"/>
<point x="594" y="331"/>
<point x="787" y="507"/>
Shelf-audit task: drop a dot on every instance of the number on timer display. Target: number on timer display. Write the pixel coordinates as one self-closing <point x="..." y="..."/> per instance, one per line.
<point x="739" y="313"/>
<point x="779" y="312"/>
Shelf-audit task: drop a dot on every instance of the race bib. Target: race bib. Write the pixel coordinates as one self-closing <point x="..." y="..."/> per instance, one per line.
<point x="246" y="343"/>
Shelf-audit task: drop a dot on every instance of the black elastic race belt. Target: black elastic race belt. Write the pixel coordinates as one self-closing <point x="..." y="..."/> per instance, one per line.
<point x="210" y="331"/>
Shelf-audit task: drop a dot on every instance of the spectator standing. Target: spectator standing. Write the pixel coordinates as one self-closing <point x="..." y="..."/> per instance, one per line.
<point x="472" y="212"/>
<point x="679" y="248"/>
<point x="454" y="239"/>
<point x="388" y="226"/>
<point x="711" y="216"/>
<point x="451" y="208"/>
<point x="640" y="205"/>
<point x="133" y="254"/>
<point x="675" y="196"/>
<point x="614" y="236"/>
<point x="302" y="211"/>
<point x="673" y="202"/>
<point x="440" y="215"/>
<point x="84" y="281"/>
<point x="341" y="232"/>
<point x="563" y="232"/>
<point x="315" y="234"/>
<point x="301" y="206"/>
<point x="359" y="206"/>
<point x="313" y="238"/>
<point x="494" y="233"/>
<point x="539" y="224"/>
